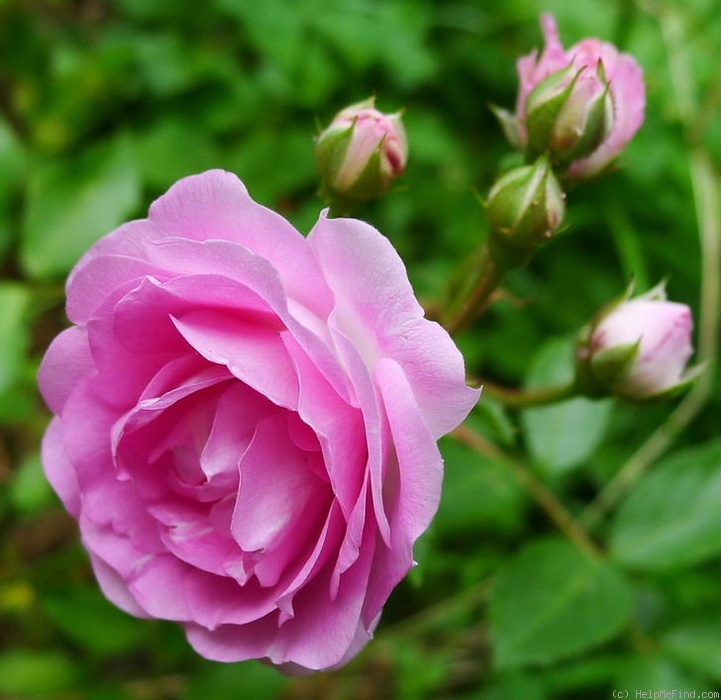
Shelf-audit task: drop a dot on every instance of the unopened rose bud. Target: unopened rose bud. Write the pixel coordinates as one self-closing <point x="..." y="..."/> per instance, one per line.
<point x="525" y="208"/>
<point x="586" y="103"/>
<point x="360" y="153"/>
<point x="637" y="349"/>
<point x="569" y="114"/>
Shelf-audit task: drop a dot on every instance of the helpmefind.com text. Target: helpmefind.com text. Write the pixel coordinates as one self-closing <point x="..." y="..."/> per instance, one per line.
<point x="664" y="694"/>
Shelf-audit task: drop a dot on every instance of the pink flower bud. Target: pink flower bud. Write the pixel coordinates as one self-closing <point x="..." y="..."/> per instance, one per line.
<point x="569" y="114"/>
<point x="361" y="153"/>
<point x="598" y="116"/>
<point x="638" y="349"/>
<point x="525" y="208"/>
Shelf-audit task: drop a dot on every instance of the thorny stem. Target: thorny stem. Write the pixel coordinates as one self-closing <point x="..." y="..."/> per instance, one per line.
<point x="520" y="398"/>
<point x="553" y="508"/>
<point x="705" y="186"/>
<point x="473" y="302"/>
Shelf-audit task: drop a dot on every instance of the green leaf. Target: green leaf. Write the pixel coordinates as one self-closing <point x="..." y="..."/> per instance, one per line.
<point x="170" y="150"/>
<point x="671" y="519"/>
<point x="222" y="681"/>
<point x="17" y="388"/>
<point x="85" y="616"/>
<point x="562" y="436"/>
<point x="13" y="332"/>
<point x="12" y="170"/>
<point x="578" y="677"/>
<point x="494" y="422"/>
<point x="654" y="673"/>
<point x="553" y="601"/>
<point x="418" y="674"/>
<point x="275" y="164"/>
<point x="144" y="10"/>
<point x="697" y="645"/>
<point x="12" y="159"/>
<point x="478" y="494"/>
<point x="36" y="672"/>
<point x="18" y="404"/>
<point x="30" y="490"/>
<point x="169" y="64"/>
<point x="70" y="204"/>
<point x="515" y="685"/>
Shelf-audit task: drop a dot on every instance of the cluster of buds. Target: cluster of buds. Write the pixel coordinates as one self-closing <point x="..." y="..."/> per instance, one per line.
<point x="637" y="349"/>
<point x="360" y="154"/>
<point x="582" y="105"/>
<point x="575" y="112"/>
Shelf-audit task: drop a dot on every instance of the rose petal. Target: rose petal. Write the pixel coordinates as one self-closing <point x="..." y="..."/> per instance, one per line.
<point x="254" y="354"/>
<point x="325" y="546"/>
<point x="412" y="485"/>
<point x="377" y="311"/>
<point x="59" y="469"/>
<point x="375" y="438"/>
<point x="198" y="543"/>
<point x="128" y="242"/>
<point x="115" y="588"/>
<point x="99" y="278"/>
<point x="239" y="410"/>
<point x="121" y="389"/>
<point x="320" y="635"/>
<point x="235" y="262"/>
<point x="87" y="424"/>
<point x="279" y="494"/>
<point x="230" y="643"/>
<point x="324" y="628"/>
<point x="216" y="205"/>
<point x="338" y="428"/>
<point x="66" y="363"/>
<point x="629" y="103"/>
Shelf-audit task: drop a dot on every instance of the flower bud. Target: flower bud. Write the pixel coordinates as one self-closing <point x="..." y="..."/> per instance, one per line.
<point x="360" y="153"/>
<point x="525" y="208"/>
<point x="584" y="104"/>
<point x="637" y="349"/>
<point x="569" y="114"/>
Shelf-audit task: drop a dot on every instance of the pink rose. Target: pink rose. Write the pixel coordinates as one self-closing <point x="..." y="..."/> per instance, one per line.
<point x="246" y="423"/>
<point x="619" y="70"/>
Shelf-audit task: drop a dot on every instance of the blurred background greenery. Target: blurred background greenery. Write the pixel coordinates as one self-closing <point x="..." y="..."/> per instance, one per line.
<point x="104" y="104"/>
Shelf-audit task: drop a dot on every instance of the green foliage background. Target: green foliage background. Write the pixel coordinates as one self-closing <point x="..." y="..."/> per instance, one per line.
<point x="104" y="104"/>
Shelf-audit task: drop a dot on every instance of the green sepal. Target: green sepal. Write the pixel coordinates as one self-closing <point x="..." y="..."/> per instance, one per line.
<point x="508" y="123"/>
<point x="330" y="152"/>
<point x="369" y="183"/>
<point x="687" y="379"/>
<point x="611" y="365"/>
<point x="595" y="131"/>
<point x="657" y="293"/>
<point x="368" y="186"/>
<point x="542" y="111"/>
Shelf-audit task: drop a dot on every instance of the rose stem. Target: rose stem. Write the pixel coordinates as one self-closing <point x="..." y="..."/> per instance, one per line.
<point x="553" y="508"/>
<point x="472" y="303"/>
